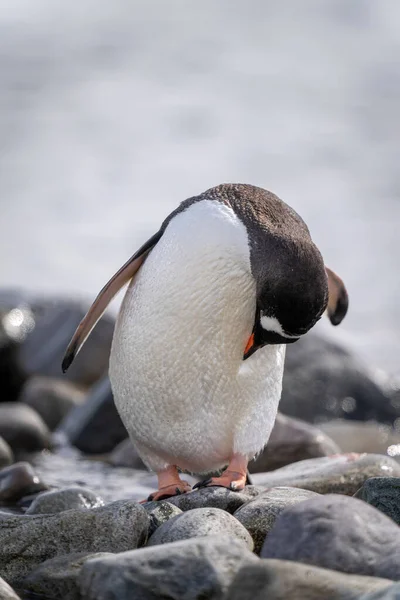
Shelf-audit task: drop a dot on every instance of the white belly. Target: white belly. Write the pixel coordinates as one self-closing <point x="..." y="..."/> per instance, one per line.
<point x="183" y="391"/>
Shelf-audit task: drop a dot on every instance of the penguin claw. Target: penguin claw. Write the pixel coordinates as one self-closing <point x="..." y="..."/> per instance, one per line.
<point x="169" y="491"/>
<point x="201" y="484"/>
<point x="230" y="480"/>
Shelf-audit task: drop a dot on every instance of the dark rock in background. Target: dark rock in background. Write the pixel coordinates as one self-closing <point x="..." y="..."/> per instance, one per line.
<point x="19" y="480"/>
<point x="337" y="532"/>
<point x="292" y="440"/>
<point x="384" y="494"/>
<point x="64" y="499"/>
<point x="22" y="428"/>
<point x="12" y="375"/>
<point x="6" y="454"/>
<point x="125" y="455"/>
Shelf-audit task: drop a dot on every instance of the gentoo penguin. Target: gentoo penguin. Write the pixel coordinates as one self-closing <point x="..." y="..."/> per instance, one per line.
<point x="197" y="358"/>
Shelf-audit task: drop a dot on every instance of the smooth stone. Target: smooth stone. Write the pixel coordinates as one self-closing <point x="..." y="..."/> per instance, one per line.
<point x="342" y="474"/>
<point x="19" y="480"/>
<point x="357" y="436"/>
<point x="197" y="523"/>
<point x="125" y="455"/>
<point x="283" y="580"/>
<point x="51" y="398"/>
<point x="384" y="494"/>
<point x="215" y="497"/>
<point x="6" y="454"/>
<point x="259" y="515"/>
<point x="187" y="570"/>
<point x="27" y="541"/>
<point x="323" y="381"/>
<point x="22" y="428"/>
<point x="95" y="427"/>
<point x="58" y="577"/>
<point x="390" y="593"/>
<point x="160" y="512"/>
<point x="6" y="591"/>
<point x="292" y="440"/>
<point x="339" y="533"/>
<point x="65" y="499"/>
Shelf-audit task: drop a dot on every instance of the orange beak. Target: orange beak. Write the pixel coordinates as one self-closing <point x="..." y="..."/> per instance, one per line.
<point x="250" y="344"/>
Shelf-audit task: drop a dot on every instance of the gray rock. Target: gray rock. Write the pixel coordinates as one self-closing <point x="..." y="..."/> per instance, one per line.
<point x="357" y="436"/>
<point x="341" y="474"/>
<point x="6" y="454"/>
<point x="186" y="570"/>
<point x="125" y="455"/>
<point x="216" y="497"/>
<point x="27" y="541"/>
<point x="337" y="532"/>
<point x="22" y="427"/>
<point x="19" y="480"/>
<point x="6" y="592"/>
<point x="285" y="580"/>
<point x="95" y="427"/>
<point x="51" y="398"/>
<point x="58" y="577"/>
<point x="159" y="513"/>
<point x="64" y="499"/>
<point x="13" y="322"/>
<point x="389" y="593"/>
<point x="197" y="523"/>
<point x="384" y="494"/>
<point x="292" y="440"/>
<point x="258" y="516"/>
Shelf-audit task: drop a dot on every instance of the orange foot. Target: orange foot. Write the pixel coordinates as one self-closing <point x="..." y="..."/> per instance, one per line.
<point x="233" y="480"/>
<point x="175" y="489"/>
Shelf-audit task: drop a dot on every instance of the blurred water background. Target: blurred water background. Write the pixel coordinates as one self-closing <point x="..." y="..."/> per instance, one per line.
<point x="113" y="112"/>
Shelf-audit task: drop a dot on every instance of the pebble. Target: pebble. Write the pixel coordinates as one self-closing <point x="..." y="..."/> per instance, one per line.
<point x="27" y="541"/>
<point x="190" y="569"/>
<point x="22" y="428"/>
<point x="215" y="497"/>
<point x="286" y="580"/>
<point x="258" y="516"/>
<point x="197" y="523"/>
<point x="19" y="480"/>
<point x="125" y="455"/>
<point x="64" y="499"/>
<point x="339" y="533"/>
<point x="292" y="440"/>
<point x="341" y="474"/>
<point x="384" y="494"/>
<point x="160" y="512"/>
<point x="6" y="454"/>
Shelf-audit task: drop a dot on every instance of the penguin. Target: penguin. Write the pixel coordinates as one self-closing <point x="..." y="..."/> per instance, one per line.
<point x="197" y="357"/>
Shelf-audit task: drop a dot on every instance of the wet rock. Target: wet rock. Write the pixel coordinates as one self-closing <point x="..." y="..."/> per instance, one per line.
<point x="51" y="398"/>
<point x="259" y="515"/>
<point x="292" y="440"/>
<point x="6" y="592"/>
<point x="282" y="580"/>
<point x="159" y="513"/>
<point x="339" y="533"/>
<point x="125" y="455"/>
<point x="27" y="541"/>
<point x="197" y="523"/>
<point x="355" y="436"/>
<point x="6" y="454"/>
<point x="323" y="381"/>
<point x="390" y="593"/>
<point x="19" y="480"/>
<point x="13" y="325"/>
<point x="95" y="427"/>
<point x="384" y="494"/>
<point x="22" y="427"/>
<point x="342" y="474"/>
<point x="58" y="577"/>
<point x="65" y="499"/>
<point x="190" y="569"/>
<point x="215" y="497"/>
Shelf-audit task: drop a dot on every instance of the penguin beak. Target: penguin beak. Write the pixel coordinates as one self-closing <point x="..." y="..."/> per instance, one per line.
<point x="338" y="301"/>
<point x="250" y="348"/>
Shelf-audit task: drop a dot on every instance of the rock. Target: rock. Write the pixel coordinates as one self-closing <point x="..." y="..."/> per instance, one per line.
<point x="17" y="481"/>
<point x="27" y="541"/>
<point x="6" y="592"/>
<point x="58" y="577"/>
<point x="51" y="398"/>
<point x="22" y="428"/>
<point x="356" y="436"/>
<point x="384" y="494"/>
<point x="339" y="533"/>
<point x="215" y="497"/>
<point x="198" y="523"/>
<point x="190" y="569"/>
<point x="159" y="513"/>
<point x="95" y="427"/>
<point x="283" y="580"/>
<point x="125" y="455"/>
<point x="323" y="381"/>
<point x="64" y="499"/>
<point x="390" y="593"/>
<point x="15" y="320"/>
<point x="6" y="454"/>
<point x="292" y="440"/>
<point x="342" y="474"/>
<point x="258" y="516"/>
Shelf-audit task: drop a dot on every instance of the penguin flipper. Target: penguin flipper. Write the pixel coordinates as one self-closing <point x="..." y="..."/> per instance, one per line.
<point x="338" y="300"/>
<point x="103" y="299"/>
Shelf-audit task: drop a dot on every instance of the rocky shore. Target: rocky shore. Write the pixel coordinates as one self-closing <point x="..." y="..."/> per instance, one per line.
<point x="320" y="520"/>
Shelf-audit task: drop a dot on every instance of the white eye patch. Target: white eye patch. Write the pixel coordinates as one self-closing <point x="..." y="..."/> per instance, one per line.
<point x="272" y="324"/>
